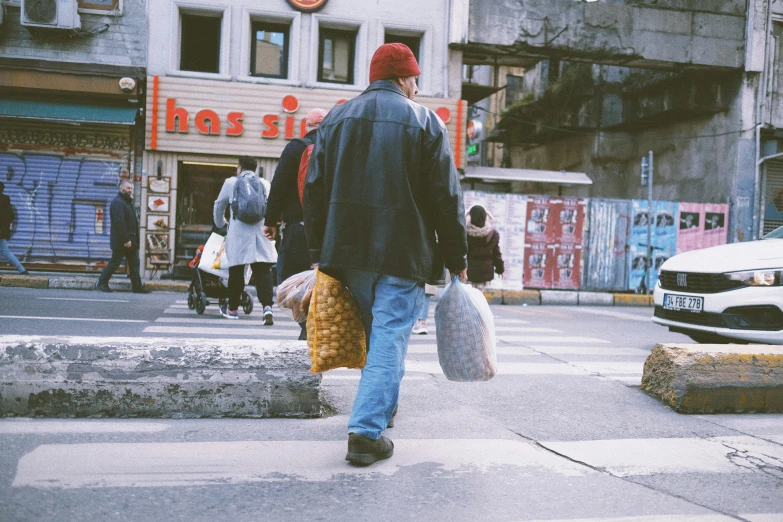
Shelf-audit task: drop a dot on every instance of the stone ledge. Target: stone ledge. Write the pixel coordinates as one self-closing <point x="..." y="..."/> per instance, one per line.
<point x="512" y="297"/>
<point x="21" y="281"/>
<point x="559" y="297"/>
<point x="114" y="377"/>
<point x="693" y="378"/>
<point x="167" y="286"/>
<point x="633" y="300"/>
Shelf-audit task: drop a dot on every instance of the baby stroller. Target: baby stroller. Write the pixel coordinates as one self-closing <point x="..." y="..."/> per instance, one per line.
<point x="204" y="286"/>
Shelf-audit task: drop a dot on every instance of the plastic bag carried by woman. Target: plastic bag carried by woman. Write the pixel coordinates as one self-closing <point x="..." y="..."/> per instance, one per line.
<point x="295" y="293"/>
<point x="465" y="333"/>
<point x="335" y="332"/>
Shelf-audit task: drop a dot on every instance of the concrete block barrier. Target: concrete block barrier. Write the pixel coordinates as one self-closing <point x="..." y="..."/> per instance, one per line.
<point x="72" y="283"/>
<point x="633" y="300"/>
<point x="512" y="297"/>
<point x="21" y="281"/>
<point x="693" y="378"/>
<point x="559" y="297"/>
<point x="167" y="286"/>
<point x="596" y="299"/>
<point x="115" y="377"/>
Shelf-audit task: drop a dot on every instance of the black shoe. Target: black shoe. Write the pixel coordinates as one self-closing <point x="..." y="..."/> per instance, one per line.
<point x="103" y="287"/>
<point x="363" y="451"/>
<point x="394" y="414"/>
<point x="142" y="290"/>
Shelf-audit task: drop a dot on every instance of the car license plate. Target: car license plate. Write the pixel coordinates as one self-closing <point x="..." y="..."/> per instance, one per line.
<point x="683" y="302"/>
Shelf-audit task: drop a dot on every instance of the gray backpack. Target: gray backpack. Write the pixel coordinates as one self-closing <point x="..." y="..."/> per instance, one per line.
<point x="248" y="204"/>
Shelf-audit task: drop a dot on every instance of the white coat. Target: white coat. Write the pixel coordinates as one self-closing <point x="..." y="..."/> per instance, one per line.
<point x="245" y="243"/>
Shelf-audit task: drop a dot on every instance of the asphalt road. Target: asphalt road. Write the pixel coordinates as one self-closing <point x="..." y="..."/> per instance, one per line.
<point x="561" y="433"/>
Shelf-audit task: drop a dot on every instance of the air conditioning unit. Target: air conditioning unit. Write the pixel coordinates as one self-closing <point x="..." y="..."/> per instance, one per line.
<point x="54" y="14"/>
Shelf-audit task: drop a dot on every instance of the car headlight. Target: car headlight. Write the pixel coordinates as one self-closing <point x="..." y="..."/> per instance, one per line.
<point x="757" y="277"/>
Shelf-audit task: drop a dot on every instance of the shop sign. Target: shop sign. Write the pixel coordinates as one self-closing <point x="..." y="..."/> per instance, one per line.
<point x="307" y="6"/>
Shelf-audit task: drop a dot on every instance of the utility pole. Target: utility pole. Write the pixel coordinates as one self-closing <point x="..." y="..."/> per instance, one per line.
<point x="647" y="179"/>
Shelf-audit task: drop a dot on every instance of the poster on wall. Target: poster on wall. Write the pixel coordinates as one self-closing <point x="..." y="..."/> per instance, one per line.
<point x="568" y="258"/>
<point x="716" y="216"/>
<point x="541" y="226"/>
<point x="690" y="227"/>
<point x="158" y="203"/>
<point x="508" y="214"/>
<point x="571" y="221"/>
<point x="539" y="265"/>
<point x="664" y="240"/>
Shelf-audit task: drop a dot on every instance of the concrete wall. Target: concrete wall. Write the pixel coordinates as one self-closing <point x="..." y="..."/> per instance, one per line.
<point x="117" y="39"/>
<point x="429" y="19"/>
<point x="676" y="33"/>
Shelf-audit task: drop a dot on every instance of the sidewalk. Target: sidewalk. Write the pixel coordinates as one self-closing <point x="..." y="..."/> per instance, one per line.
<point x="509" y="297"/>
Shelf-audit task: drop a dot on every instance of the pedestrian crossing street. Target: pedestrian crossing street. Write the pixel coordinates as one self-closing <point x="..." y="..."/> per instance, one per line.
<point x="522" y="348"/>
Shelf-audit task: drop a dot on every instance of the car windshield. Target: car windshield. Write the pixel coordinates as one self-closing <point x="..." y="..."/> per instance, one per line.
<point x="775" y="234"/>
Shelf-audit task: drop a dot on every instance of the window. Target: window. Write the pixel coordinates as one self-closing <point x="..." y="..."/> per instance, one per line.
<point x="269" y="51"/>
<point x="200" y="43"/>
<point x="413" y="43"/>
<point x="100" y="5"/>
<point x="336" y="55"/>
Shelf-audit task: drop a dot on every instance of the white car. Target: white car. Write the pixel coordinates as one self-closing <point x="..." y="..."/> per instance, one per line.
<point x="727" y="293"/>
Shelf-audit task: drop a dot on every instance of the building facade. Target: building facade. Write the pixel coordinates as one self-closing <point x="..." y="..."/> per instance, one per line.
<point x="72" y="80"/>
<point x="238" y="77"/>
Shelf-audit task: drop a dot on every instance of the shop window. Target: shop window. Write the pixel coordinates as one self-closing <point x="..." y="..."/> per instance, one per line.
<point x="336" y="55"/>
<point x="101" y="5"/>
<point x="200" y="43"/>
<point x="413" y="43"/>
<point x="269" y="51"/>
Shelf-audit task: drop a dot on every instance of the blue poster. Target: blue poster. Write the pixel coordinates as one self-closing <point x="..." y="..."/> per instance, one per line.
<point x="664" y="240"/>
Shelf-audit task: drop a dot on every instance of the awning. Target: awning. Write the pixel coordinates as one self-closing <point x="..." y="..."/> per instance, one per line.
<point x="531" y="175"/>
<point x="67" y="112"/>
<point x="473" y="92"/>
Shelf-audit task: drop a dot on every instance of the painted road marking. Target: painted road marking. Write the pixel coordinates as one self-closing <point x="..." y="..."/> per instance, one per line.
<point x="608" y="367"/>
<point x="79" y="299"/>
<point x="223" y="462"/>
<point x="500" y="350"/>
<point x="35" y="317"/>
<point x="616" y="315"/>
<point x="714" y="517"/>
<point x="522" y="329"/>
<point x="632" y="457"/>
<point x="526" y="339"/>
<point x="358" y="375"/>
<point x="226" y="322"/>
<point x="30" y="426"/>
<point x="267" y="331"/>
<point x="505" y="368"/>
<point x="587" y="350"/>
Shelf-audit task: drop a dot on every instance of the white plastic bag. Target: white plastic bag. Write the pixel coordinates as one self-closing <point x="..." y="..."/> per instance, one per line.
<point x="211" y="261"/>
<point x="465" y="332"/>
<point x="295" y="293"/>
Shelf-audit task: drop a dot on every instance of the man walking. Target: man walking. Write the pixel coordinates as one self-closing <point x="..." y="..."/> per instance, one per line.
<point x="245" y="241"/>
<point x="6" y="220"/>
<point x="284" y="206"/>
<point x="124" y="240"/>
<point x="381" y="185"/>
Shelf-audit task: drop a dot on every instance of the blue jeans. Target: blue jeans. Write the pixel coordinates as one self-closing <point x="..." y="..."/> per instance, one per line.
<point x="5" y="253"/>
<point x="389" y="306"/>
<point x="425" y="308"/>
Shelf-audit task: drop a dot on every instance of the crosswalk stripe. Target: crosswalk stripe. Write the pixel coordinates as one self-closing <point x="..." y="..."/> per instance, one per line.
<point x="266" y="331"/>
<point x="500" y="350"/>
<point x="522" y="329"/>
<point x="355" y="375"/>
<point x="504" y="368"/>
<point x="46" y="426"/>
<point x="226" y="462"/>
<point x="611" y="313"/>
<point x="633" y="457"/>
<point x="548" y="339"/>
<point x="608" y="368"/>
<point x="227" y="322"/>
<point x="659" y="518"/>
<point x="587" y="350"/>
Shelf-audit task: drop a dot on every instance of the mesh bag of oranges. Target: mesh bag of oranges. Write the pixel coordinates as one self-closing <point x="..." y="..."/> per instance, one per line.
<point x="335" y="332"/>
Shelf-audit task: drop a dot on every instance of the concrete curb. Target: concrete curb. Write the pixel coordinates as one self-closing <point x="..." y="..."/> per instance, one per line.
<point x="512" y="297"/>
<point x="596" y="299"/>
<point x="694" y="378"/>
<point x="558" y="297"/>
<point x="87" y="283"/>
<point x="633" y="300"/>
<point x="114" y="377"/>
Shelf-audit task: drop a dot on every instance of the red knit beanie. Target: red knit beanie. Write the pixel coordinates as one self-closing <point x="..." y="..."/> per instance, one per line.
<point x="393" y="60"/>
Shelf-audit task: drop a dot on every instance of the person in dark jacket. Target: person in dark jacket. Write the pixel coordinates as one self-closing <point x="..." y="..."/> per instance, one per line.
<point x="484" y="257"/>
<point x="6" y="220"/>
<point x="124" y="240"/>
<point x="381" y="184"/>
<point x="284" y="207"/>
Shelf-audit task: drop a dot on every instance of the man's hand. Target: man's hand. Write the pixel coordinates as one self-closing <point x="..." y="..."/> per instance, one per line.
<point x="270" y="232"/>
<point x="463" y="275"/>
<point x="128" y="244"/>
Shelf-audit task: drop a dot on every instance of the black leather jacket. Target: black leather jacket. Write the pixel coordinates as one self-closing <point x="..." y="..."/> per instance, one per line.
<point x="382" y="183"/>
